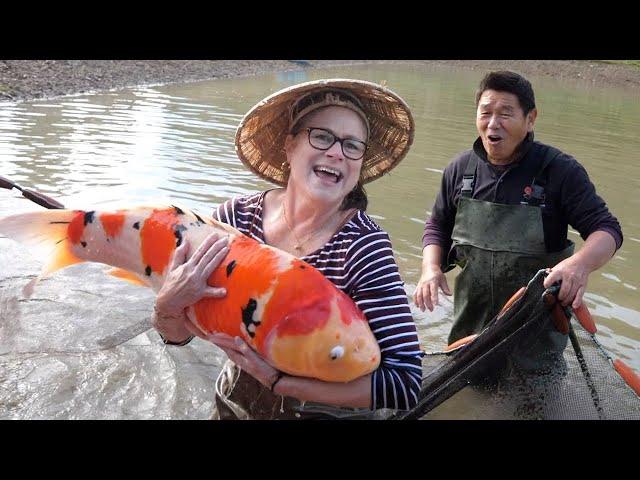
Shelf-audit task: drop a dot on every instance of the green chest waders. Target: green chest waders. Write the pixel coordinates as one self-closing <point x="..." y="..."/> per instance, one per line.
<point x="499" y="249"/>
<point x="239" y="396"/>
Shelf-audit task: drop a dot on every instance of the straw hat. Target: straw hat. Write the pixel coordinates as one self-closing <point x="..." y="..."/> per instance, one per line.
<point x="261" y="134"/>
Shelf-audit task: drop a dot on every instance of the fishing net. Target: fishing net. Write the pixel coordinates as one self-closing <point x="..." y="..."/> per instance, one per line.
<point x="522" y="367"/>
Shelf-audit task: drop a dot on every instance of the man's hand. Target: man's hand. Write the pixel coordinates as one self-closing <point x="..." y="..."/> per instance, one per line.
<point x="426" y="294"/>
<point x="574" y="271"/>
<point x="573" y="276"/>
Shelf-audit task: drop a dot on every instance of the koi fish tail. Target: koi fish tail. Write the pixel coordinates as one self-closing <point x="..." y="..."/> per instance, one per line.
<point x="46" y="234"/>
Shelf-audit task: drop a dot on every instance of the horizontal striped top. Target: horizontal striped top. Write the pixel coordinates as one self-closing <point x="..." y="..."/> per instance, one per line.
<point x="359" y="260"/>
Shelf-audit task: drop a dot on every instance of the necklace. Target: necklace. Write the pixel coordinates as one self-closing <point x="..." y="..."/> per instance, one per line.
<point x="300" y="243"/>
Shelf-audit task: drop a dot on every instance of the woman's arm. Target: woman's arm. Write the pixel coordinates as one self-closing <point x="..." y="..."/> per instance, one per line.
<point x="356" y="393"/>
<point x="378" y="290"/>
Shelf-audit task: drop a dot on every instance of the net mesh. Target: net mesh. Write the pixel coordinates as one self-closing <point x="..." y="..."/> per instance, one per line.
<point x="521" y="367"/>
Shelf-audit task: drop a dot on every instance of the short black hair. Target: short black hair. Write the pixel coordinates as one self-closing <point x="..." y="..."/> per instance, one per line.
<point x="505" y="81"/>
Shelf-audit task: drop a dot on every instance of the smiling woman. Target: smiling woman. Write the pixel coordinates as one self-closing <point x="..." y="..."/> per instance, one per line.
<point x="321" y="141"/>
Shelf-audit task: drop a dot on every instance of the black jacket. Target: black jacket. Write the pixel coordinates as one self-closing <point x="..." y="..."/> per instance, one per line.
<point x="570" y="197"/>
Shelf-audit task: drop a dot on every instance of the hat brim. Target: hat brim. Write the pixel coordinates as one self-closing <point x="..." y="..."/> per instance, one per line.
<point x="261" y="135"/>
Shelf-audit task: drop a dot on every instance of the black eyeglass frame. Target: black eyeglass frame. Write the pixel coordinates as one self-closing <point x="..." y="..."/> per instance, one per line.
<point x="336" y="139"/>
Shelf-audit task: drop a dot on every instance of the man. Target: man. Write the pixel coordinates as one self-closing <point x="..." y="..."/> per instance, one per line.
<point x="503" y="211"/>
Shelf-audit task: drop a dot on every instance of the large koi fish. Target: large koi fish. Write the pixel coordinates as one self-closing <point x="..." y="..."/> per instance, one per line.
<point x="285" y="309"/>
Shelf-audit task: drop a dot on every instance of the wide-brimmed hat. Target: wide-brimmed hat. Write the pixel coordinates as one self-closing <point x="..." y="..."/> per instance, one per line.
<point x="261" y="135"/>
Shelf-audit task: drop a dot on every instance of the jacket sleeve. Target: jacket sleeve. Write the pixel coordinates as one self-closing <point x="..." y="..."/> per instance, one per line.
<point x="583" y="208"/>
<point x="439" y="225"/>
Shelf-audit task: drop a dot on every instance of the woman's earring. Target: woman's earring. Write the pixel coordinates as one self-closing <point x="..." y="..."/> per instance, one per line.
<point x="284" y="166"/>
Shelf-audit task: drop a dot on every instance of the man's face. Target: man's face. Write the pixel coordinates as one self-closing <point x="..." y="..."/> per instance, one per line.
<point x="502" y="124"/>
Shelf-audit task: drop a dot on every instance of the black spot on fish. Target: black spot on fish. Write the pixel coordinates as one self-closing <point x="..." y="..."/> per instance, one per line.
<point x="230" y="267"/>
<point x="199" y="218"/>
<point x="84" y="244"/>
<point x="247" y="317"/>
<point x="88" y="217"/>
<point x="302" y="267"/>
<point x="136" y="225"/>
<point x="148" y="271"/>
<point x="177" y="231"/>
<point x="178" y="210"/>
<point x="59" y="223"/>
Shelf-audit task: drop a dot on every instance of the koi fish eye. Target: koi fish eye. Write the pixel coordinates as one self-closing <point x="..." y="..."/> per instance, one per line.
<point x="337" y="352"/>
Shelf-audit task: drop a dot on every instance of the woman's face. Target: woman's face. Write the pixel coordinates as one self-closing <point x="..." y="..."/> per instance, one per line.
<point x="326" y="175"/>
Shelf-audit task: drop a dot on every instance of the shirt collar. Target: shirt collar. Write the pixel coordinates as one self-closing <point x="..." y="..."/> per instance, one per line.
<point x="521" y="150"/>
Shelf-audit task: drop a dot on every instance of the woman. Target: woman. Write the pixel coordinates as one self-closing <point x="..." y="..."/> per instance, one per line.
<point x="320" y="141"/>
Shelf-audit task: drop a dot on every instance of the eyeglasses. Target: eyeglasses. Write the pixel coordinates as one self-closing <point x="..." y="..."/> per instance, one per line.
<point x="322" y="139"/>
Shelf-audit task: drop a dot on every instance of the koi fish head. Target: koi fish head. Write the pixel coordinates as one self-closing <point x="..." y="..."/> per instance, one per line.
<point x="322" y="334"/>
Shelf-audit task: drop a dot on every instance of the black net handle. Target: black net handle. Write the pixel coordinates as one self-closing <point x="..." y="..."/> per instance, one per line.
<point x="37" y="197"/>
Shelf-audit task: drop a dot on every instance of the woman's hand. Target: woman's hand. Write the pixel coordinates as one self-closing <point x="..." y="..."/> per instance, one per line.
<point x="185" y="284"/>
<point x="354" y="394"/>
<point x="243" y="355"/>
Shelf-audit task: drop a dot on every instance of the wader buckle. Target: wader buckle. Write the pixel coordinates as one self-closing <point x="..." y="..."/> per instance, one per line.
<point x="467" y="183"/>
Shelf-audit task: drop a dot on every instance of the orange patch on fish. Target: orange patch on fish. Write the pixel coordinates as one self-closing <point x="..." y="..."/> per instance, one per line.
<point x="158" y="240"/>
<point x="250" y="277"/>
<point x="560" y="320"/>
<point x="300" y="286"/>
<point x="76" y="228"/>
<point x="630" y="377"/>
<point x="516" y="296"/>
<point x="584" y="317"/>
<point x="461" y="342"/>
<point x="112" y="223"/>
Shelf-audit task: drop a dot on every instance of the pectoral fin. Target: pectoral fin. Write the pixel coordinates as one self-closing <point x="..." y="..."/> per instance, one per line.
<point x="127" y="276"/>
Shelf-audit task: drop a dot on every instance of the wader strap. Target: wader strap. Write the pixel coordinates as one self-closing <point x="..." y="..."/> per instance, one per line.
<point x="469" y="177"/>
<point x="535" y="196"/>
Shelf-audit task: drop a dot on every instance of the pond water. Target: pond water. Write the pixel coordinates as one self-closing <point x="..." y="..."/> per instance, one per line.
<point x="81" y="347"/>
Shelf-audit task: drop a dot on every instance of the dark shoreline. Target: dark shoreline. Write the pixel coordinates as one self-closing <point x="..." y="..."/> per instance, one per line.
<point x="23" y="80"/>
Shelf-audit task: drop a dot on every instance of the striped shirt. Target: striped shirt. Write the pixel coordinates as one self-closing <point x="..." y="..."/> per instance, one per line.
<point x="359" y="260"/>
